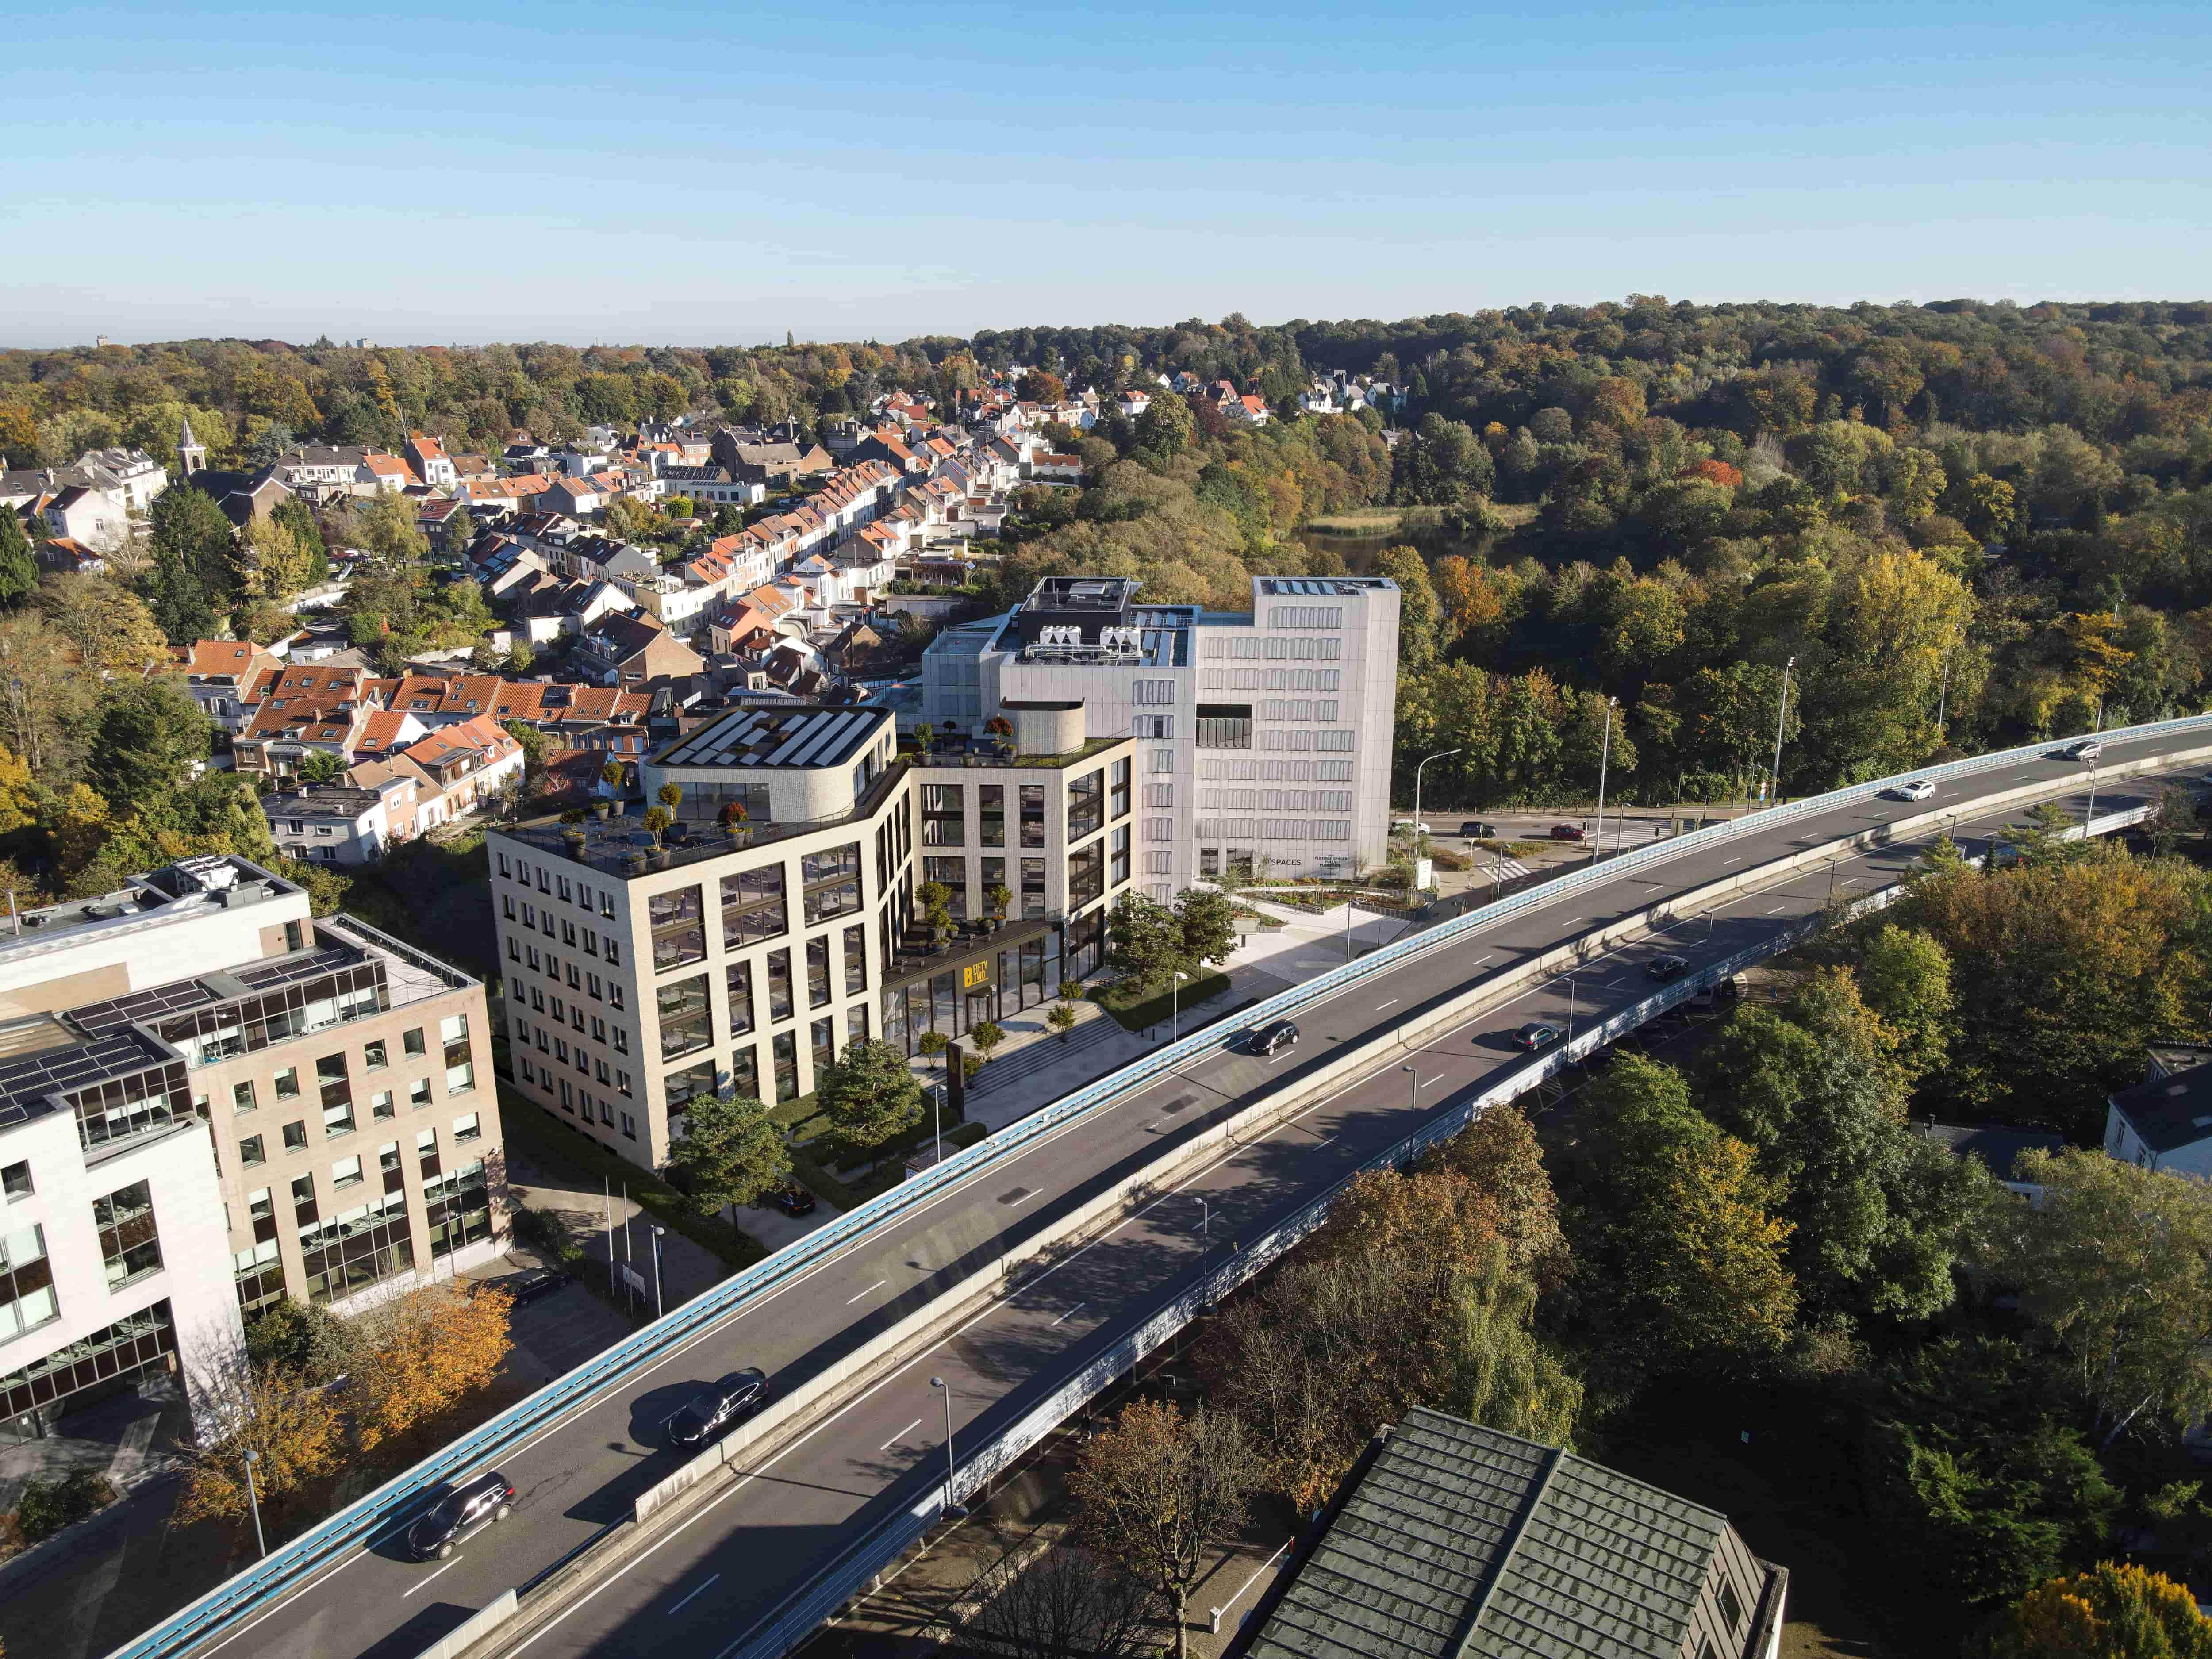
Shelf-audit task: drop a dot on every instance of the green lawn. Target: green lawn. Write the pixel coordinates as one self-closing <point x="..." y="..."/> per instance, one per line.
<point x="1136" y="1012"/>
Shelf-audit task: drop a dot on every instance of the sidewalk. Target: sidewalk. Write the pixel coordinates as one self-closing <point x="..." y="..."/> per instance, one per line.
<point x="686" y="1268"/>
<point x="126" y="1439"/>
<point x="1033" y="1068"/>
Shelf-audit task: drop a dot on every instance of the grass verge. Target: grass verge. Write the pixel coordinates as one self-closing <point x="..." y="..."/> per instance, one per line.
<point x="889" y="1168"/>
<point x="1136" y="1010"/>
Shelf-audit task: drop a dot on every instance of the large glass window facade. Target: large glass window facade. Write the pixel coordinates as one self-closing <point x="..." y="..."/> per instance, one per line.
<point x="952" y="874"/>
<point x="679" y="928"/>
<point x="680" y="1087"/>
<point x="1118" y="870"/>
<point x="753" y="907"/>
<point x="27" y="1282"/>
<point x="943" y="815"/>
<point x="740" y="990"/>
<point x="1032" y="888"/>
<point x="129" y="1345"/>
<point x="991" y="814"/>
<point x="1118" y="804"/>
<point x="832" y="881"/>
<point x="356" y="1247"/>
<point x="856" y="959"/>
<point x="785" y="1047"/>
<point x="823" y="1038"/>
<point x="1086" y="873"/>
<point x="686" y="1016"/>
<point x="1032" y="806"/>
<point x="818" y="972"/>
<point x="1086" y="806"/>
<point x="779" y="985"/>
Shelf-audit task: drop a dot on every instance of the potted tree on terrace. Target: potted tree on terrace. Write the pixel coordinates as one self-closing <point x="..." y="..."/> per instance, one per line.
<point x="937" y="910"/>
<point x="656" y="821"/>
<point x="734" y="821"/>
<point x="611" y="776"/>
<point x="1003" y="729"/>
<point x="932" y="1044"/>
<point x="1001" y="898"/>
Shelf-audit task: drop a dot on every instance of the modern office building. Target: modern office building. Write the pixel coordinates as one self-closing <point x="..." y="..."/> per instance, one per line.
<point x="1263" y="738"/>
<point x="210" y="1100"/>
<point x="640" y="976"/>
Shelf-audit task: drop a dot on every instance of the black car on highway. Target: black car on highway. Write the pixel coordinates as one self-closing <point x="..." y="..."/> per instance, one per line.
<point x="738" y="1395"/>
<point x="1666" y="966"/>
<point x="1535" y="1037"/>
<point x="1277" y="1034"/>
<point x="1476" y="829"/>
<point x="468" y="1507"/>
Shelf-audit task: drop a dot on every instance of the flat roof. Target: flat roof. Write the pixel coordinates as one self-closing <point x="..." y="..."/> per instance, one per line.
<point x="2170" y="1112"/>
<point x="807" y="735"/>
<point x="190" y="887"/>
<point x="1341" y="587"/>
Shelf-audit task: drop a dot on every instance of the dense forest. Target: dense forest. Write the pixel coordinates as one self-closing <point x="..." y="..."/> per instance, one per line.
<point x="1965" y="523"/>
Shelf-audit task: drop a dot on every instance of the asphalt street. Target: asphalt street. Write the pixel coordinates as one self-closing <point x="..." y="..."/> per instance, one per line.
<point x="705" y="1583"/>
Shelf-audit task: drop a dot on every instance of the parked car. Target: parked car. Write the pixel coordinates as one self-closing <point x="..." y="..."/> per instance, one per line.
<point x="1476" y="829"/>
<point x="467" y="1508"/>
<point x="794" y="1200"/>
<point x="2086" y="749"/>
<point x="707" y="1414"/>
<point x="1535" y="1037"/>
<point x="1569" y="832"/>
<point x="1406" y="826"/>
<point x="2002" y="856"/>
<point x="530" y="1285"/>
<point x="1277" y="1034"/>
<point x="1666" y="966"/>
<point x="1911" y="789"/>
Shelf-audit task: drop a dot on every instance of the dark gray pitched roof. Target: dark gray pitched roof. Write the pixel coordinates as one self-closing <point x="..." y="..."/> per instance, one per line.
<point x="2170" y="1112"/>
<point x="1996" y="1145"/>
<point x="1462" y="1543"/>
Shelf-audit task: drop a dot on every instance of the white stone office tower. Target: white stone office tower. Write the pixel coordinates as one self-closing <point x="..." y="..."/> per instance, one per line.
<point x="1263" y="737"/>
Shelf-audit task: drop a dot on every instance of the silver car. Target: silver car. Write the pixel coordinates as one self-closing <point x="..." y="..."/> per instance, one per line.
<point x="1912" y="789"/>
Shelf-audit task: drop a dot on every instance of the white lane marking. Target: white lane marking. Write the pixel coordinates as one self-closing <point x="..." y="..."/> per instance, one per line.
<point x="1439" y="1077"/>
<point x="870" y="1291"/>
<point x="1479" y="960"/>
<point x="1380" y="1006"/>
<point x="900" y="1435"/>
<point x="1071" y="1312"/>
<point x="420" y="1583"/>
<point x="1609" y="984"/>
<point x="1778" y="909"/>
<point x="701" y="1590"/>
<point x="1738" y="859"/>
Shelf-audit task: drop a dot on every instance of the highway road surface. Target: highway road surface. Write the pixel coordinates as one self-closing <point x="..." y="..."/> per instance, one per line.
<point x="703" y="1586"/>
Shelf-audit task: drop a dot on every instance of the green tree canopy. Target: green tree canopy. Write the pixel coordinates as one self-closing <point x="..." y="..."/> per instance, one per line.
<point x="869" y="1094"/>
<point x="731" y="1152"/>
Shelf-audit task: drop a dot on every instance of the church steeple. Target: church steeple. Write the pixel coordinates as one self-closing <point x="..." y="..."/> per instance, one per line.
<point x="191" y="453"/>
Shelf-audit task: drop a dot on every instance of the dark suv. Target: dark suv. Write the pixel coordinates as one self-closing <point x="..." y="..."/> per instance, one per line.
<point x="1669" y="967"/>
<point x="1476" y="829"/>
<point x="738" y="1395"/>
<point x="468" y="1507"/>
<point x="1277" y="1034"/>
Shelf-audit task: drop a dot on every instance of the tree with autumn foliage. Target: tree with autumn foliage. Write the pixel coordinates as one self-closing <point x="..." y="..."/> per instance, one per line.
<point x="292" y="1427"/>
<point x="2116" y="1610"/>
<point x="422" y="1353"/>
<point x="1160" y="1492"/>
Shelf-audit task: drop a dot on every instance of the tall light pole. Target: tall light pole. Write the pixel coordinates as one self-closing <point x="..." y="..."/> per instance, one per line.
<point x="1604" y="754"/>
<point x="1413" y="1086"/>
<point x="1943" y="696"/>
<point x="1781" y="723"/>
<point x="253" y="1500"/>
<point x="1418" y="771"/>
<point x="2096" y="724"/>
<point x="936" y="1118"/>
<point x="1175" y="1007"/>
<point x="953" y="1510"/>
<point x="1570" y="1007"/>
<point x="659" y="1306"/>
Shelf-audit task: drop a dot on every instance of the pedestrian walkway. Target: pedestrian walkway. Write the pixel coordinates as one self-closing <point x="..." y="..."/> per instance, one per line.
<point x="126" y="1439"/>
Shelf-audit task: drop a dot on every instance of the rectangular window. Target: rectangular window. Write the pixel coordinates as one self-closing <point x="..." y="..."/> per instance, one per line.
<point x="16" y="1181"/>
<point x="375" y="1056"/>
<point x="753" y="908"/>
<point x="679" y="928"/>
<point x="418" y="1094"/>
<point x="241" y="1097"/>
<point x="1087" y="874"/>
<point x="27" y="1282"/>
<point x="346" y="1172"/>
<point x="250" y="1151"/>
<point x="823" y="1035"/>
<point x="856" y="1024"/>
<point x="468" y="1128"/>
<point x="786" y="1045"/>
<point x="287" y="1083"/>
<point x="991" y="809"/>
<point x="818" y="972"/>
<point x="686" y="1016"/>
<point x="739" y="985"/>
<point x="295" y="1135"/>
<point x="128" y="1242"/>
<point x="1118" y="802"/>
<point x="1224" y="726"/>
<point x="381" y="1105"/>
<point x="1032" y="888"/>
<point x="779" y="985"/>
<point x="744" y="1073"/>
<point x="832" y="882"/>
<point x="952" y="874"/>
<point x="1032" y="809"/>
<point x="1086" y="804"/>
<point x="1118" y="871"/>
<point x="944" y="822"/>
<point x="856" y="959"/>
<point x="412" y="1045"/>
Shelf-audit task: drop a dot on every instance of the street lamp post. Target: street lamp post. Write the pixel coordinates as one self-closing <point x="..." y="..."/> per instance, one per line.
<point x="2096" y="724"/>
<point x="659" y="1305"/>
<point x="1204" y="1219"/>
<point x="253" y="1501"/>
<point x="1175" y="1007"/>
<point x="1570" y="1007"/>
<point x="937" y="1117"/>
<point x="1418" y="771"/>
<point x="1781" y="723"/>
<point x="1604" y="754"/>
<point x="953" y="1510"/>
<point x="1413" y="1086"/>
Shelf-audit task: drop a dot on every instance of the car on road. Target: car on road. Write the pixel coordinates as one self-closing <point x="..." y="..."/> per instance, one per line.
<point x="1408" y="827"/>
<point x="708" y="1413"/>
<point x="794" y="1200"/>
<point x="530" y="1285"/>
<point x="1569" y="832"/>
<point x="1911" y="789"/>
<point x="1276" y="1033"/>
<point x="1476" y="829"/>
<point x="1666" y="966"/>
<point x="2086" y="749"/>
<point x="467" y="1508"/>
<point x="1535" y="1037"/>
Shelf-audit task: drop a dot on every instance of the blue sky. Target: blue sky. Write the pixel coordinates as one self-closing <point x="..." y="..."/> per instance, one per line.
<point x="614" y="173"/>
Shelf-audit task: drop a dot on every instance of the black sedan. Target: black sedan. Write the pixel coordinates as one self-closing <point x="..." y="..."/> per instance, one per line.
<point x="1277" y="1034"/>
<point x="1667" y="968"/>
<point x="1476" y="829"/>
<point x="467" y="1507"/>
<point x="738" y="1395"/>
<point x="794" y="1200"/>
<point x="1535" y="1037"/>
<point x="528" y="1285"/>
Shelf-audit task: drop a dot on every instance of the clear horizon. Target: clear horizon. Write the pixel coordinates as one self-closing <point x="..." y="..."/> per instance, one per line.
<point x="565" y="173"/>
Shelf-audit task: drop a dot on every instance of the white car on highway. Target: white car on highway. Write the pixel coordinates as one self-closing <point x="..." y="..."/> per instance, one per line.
<point x="1911" y="789"/>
